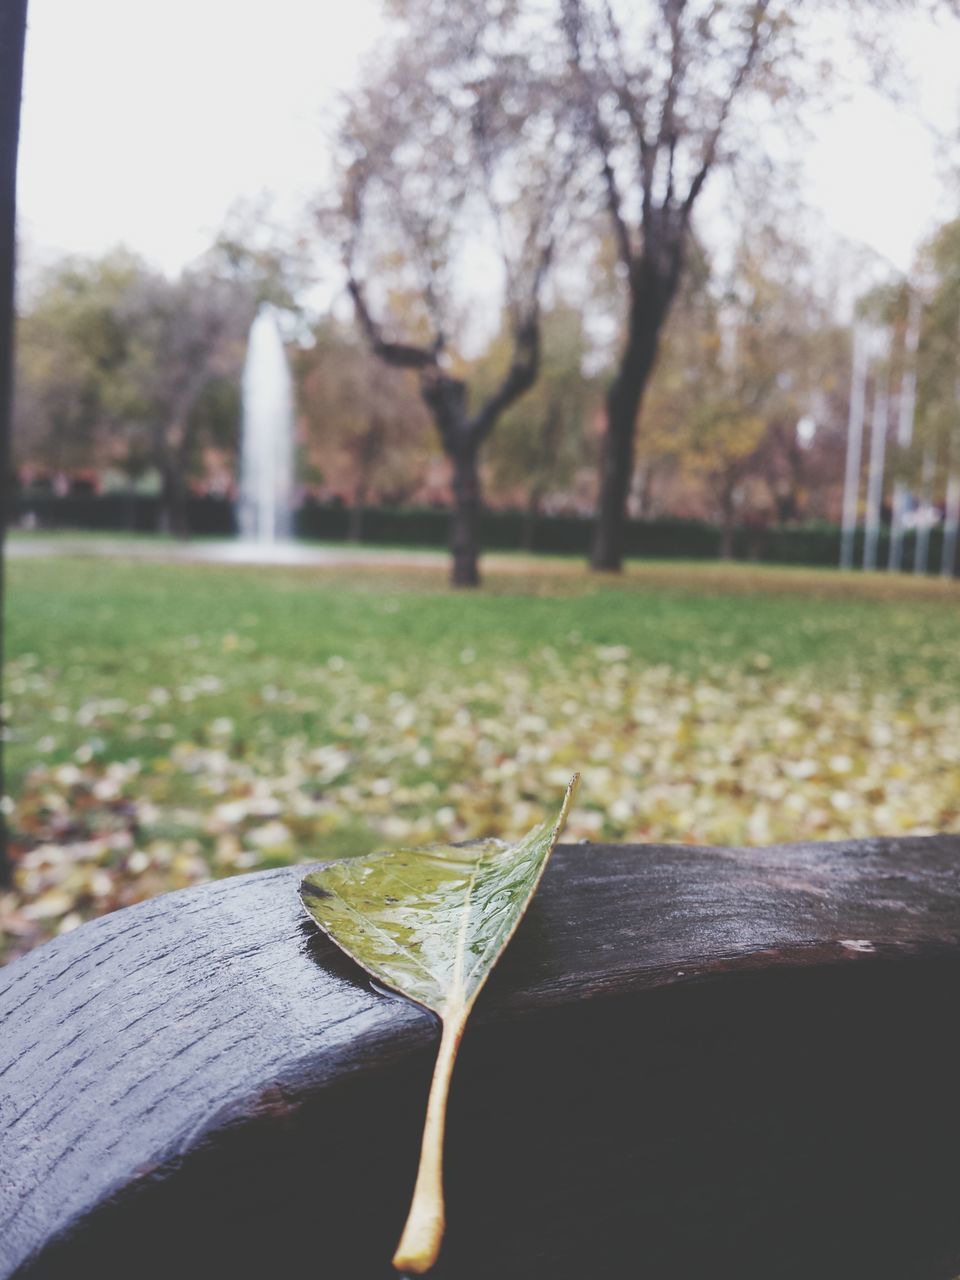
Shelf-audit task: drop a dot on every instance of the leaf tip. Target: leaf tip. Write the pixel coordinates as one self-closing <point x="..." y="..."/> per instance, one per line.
<point x="573" y="786"/>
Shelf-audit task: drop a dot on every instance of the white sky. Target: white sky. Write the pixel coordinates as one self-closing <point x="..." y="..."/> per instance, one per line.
<point x="143" y="122"/>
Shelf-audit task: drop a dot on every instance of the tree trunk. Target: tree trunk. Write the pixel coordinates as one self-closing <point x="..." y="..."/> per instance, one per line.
<point x="642" y="487"/>
<point x="726" y="528"/>
<point x="460" y="432"/>
<point x="357" y="512"/>
<point x="648" y="311"/>
<point x="446" y="398"/>
<point x="465" y="522"/>
<point x="173" y="503"/>
<point x="787" y="506"/>
<point x="13" y="26"/>
<point x="530" y="518"/>
<point x="726" y="539"/>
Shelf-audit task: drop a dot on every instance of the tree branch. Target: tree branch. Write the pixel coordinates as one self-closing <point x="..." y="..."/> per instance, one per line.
<point x="648" y="162"/>
<point x="614" y="200"/>
<point x="710" y="151"/>
<point x="519" y="378"/>
<point x="667" y="133"/>
<point x="401" y="355"/>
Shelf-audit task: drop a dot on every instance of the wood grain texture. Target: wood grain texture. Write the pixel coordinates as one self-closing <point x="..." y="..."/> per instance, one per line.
<point x="690" y="1063"/>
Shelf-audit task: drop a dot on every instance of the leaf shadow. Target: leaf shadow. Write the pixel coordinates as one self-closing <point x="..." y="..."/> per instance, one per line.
<point x="329" y="957"/>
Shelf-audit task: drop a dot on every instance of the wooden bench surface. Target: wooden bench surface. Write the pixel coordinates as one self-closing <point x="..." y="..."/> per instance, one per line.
<point x="691" y="1062"/>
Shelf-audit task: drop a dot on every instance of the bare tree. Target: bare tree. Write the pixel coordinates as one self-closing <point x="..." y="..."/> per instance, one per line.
<point x="186" y="336"/>
<point x="671" y="90"/>
<point x="667" y="91"/>
<point x="182" y="336"/>
<point x="437" y="153"/>
<point x="657" y="86"/>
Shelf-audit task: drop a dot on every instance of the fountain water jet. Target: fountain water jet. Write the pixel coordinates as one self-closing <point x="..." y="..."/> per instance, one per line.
<point x="266" y="455"/>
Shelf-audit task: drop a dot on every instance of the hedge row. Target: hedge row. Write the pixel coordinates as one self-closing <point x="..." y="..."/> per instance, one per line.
<point x="500" y="530"/>
<point x="119" y="513"/>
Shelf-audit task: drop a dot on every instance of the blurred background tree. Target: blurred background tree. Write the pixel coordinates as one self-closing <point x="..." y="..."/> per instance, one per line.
<point x="438" y="150"/>
<point x="366" y="434"/>
<point x="938" y="353"/>
<point x="122" y="367"/>
<point x="484" y="145"/>
<point x="667" y="93"/>
<point x="546" y="438"/>
<point x="72" y="352"/>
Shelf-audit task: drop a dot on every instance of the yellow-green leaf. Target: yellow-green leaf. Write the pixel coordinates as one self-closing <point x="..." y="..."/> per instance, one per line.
<point x="431" y="924"/>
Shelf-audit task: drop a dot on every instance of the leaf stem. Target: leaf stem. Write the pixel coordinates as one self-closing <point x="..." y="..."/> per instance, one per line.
<point x="420" y="1243"/>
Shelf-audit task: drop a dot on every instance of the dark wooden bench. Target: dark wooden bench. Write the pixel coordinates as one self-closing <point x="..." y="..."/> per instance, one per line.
<point x="692" y="1063"/>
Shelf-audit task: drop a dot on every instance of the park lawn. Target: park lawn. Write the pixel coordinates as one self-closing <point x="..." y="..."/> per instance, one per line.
<point x="172" y="722"/>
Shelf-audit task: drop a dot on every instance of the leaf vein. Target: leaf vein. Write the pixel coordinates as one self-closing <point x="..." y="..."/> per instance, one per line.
<point x="397" y="946"/>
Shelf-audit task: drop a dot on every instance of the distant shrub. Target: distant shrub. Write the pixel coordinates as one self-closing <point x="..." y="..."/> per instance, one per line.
<point x="667" y="538"/>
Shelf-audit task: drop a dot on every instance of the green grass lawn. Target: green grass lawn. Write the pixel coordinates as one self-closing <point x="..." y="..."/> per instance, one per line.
<point x="172" y="721"/>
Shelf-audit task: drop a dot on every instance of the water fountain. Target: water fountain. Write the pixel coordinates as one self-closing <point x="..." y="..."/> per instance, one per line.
<point x="266" y="457"/>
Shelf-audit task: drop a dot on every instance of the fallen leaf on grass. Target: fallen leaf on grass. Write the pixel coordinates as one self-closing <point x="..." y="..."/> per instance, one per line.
<point x="431" y="924"/>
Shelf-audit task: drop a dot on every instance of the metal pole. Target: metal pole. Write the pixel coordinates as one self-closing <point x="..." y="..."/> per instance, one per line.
<point x="951" y="525"/>
<point x="921" y="548"/>
<point x="851" y="480"/>
<point x="951" y="513"/>
<point x="13" y="29"/>
<point x="878" y="451"/>
<point x="908" y="398"/>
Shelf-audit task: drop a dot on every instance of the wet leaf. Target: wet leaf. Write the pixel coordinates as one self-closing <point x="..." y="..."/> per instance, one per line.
<point x="431" y="923"/>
